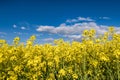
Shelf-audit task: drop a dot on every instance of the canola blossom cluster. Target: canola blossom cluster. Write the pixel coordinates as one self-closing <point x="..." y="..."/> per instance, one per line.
<point x="96" y="57"/>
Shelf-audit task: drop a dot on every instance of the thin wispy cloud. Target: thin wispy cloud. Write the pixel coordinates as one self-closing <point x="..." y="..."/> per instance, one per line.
<point x="2" y="36"/>
<point x="23" y="28"/>
<point x="3" y="33"/>
<point x="71" y="20"/>
<point x="79" y="19"/>
<point x="48" y="39"/>
<point x="106" y="18"/>
<point x="85" y="19"/>
<point x="19" y="33"/>
<point x="38" y="35"/>
<point x="14" y="26"/>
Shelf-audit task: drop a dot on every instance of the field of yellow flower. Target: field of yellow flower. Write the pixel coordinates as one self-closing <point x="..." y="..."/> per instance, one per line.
<point x="96" y="57"/>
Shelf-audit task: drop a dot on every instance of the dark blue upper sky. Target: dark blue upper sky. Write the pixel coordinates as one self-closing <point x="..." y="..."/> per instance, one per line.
<point x="54" y="12"/>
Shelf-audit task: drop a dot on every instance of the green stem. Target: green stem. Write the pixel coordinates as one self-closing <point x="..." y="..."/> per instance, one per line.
<point x="118" y="68"/>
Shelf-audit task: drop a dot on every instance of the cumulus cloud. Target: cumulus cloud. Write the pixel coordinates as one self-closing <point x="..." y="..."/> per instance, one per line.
<point x="74" y="29"/>
<point x="74" y="37"/>
<point x="45" y="29"/>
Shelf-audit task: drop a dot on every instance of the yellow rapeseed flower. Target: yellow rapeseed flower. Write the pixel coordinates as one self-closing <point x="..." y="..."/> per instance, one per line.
<point x="75" y="76"/>
<point x="62" y="72"/>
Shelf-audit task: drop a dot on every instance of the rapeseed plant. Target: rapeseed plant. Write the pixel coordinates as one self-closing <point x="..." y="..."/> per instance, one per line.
<point x="94" y="58"/>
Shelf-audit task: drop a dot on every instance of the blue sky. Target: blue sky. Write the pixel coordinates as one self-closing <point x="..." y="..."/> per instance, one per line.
<point x="54" y="19"/>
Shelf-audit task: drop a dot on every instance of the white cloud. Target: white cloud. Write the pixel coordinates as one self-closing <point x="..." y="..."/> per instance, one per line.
<point x="73" y="32"/>
<point x="2" y="36"/>
<point x="79" y="19"/>
<point x="117" y="30"/>
<point x="71" y="20"/>
<point x="48" y="39"/>
<point x="14" y="26"/>
<point x="77" y="28"/>
<point x="74" y="37"/>
<point x="85" y="19"/>
<point x="3" y="33"/>
<point x="23" y="28"/>
<point x="45" y="28"/>
<point x="38" y="35"/>
<point x="104" y="18"/>
<point x="19" y="33"/>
